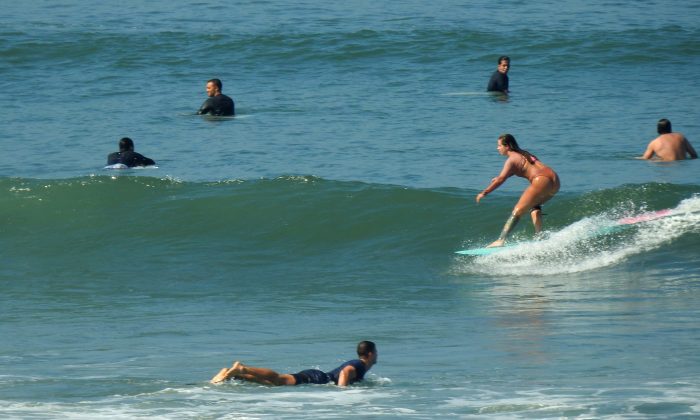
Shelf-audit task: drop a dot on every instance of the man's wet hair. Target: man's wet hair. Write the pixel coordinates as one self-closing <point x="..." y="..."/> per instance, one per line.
<point x="126" y="144"/>
<point x="217" y="82"/>
<point x="366" y="347"/>
<point x="663" y="126"/>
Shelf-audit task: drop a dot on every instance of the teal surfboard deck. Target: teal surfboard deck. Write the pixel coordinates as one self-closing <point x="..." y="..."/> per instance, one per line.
<point x="485" y="251"/>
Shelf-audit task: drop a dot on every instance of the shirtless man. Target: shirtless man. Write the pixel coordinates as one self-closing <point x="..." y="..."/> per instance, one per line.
<point x="669" y="145"/>
<point x="544" y="184"/>
<point x="348" y="373"/>
<point x="217" y="103"/>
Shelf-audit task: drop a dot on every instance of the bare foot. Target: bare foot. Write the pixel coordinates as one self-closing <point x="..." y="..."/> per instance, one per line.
<point x="496" y="243"/>
<point x="220" y="377"/>
<point x="237" y="368"/>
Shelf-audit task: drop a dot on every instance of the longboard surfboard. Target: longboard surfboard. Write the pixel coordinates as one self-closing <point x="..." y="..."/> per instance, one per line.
<point x="625" y="221"/>
<point x="644" y="217"/>
<point x="487" y="251"/>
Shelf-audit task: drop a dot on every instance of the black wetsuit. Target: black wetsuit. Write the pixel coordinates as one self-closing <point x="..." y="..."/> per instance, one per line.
<point x="129" y="158"/>
<point x="498" y="82"/>
<point x="217" y="105"/>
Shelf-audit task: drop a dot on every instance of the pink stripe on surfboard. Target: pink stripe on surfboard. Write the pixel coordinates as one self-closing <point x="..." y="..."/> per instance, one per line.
<point x="644" y="217"/>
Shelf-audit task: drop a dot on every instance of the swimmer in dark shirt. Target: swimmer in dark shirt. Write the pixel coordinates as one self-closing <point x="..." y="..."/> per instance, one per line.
<point x="499" y="78"/>
<point x="348" y="373"/>
<point x="127" y="156"/>
<point x="217" y="103"/>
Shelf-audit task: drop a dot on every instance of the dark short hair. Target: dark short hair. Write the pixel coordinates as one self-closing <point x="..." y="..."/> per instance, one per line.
<point x="125" y="144"/>
<point x="502" y="58"/>
<point x="663" y="126"/>
<point x="217" y="82"/>
<point x="366" y="347"/>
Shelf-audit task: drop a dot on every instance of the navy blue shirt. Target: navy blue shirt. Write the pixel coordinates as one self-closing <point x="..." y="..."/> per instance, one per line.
<point x="360" y="371"/>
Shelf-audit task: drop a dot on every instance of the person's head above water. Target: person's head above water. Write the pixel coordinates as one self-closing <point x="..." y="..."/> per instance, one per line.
<point x="214" y="87"/>
<point x="503" y="64"/>
<point x="663" y="126"/>
<point x="126" y="144"/>
<point x="366" y="347"/>
<point x="367" y="350"/>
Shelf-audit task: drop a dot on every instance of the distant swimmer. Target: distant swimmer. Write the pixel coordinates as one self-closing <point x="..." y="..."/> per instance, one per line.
<point x="347" y="373"/>
<point x="544" y="184"/>
<point x="126" y="155"/>
<point x="217" y="103"/>
<point x="499" y="78"/>
<point x="669" y="145"/>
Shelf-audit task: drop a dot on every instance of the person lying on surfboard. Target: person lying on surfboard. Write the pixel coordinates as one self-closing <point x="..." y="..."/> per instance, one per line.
<point x="348" y="373"/>
<point x="544" y="184"/>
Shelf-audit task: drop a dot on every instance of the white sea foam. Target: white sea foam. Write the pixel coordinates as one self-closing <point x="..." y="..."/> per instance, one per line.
<point x="253" y="402"/>
<point x="658" y="398"/>
<point x="234" y="400"/>
<point x="589" y="244"/>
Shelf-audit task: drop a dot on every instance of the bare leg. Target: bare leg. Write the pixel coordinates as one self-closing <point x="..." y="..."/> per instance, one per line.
<point x="507" y="228"/>
<point x="220" y="377"/>
<point x="541" y="190"/>
<point x="262" y="376"/>
<point x="536" y="215"/>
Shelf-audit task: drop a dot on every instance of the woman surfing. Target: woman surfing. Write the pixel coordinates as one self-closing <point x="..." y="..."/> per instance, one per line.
<point x="544" y="184"/>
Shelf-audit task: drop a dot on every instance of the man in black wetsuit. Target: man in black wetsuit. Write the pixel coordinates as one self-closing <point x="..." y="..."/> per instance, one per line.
<point x="217" y="103"/>
<point x="348" y="373"/>
<point x="127" y="156"/>
<point x="499" y="78"/>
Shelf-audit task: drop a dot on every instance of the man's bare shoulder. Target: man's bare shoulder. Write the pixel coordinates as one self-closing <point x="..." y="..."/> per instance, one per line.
<point x="672" y="137"/>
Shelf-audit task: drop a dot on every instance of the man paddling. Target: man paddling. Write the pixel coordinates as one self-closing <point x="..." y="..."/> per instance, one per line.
<point x="126" y="155"/>
<point x="347" y="373"/>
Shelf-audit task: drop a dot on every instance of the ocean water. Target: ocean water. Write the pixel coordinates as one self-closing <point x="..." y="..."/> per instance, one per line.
<point x="329" y="209"/>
